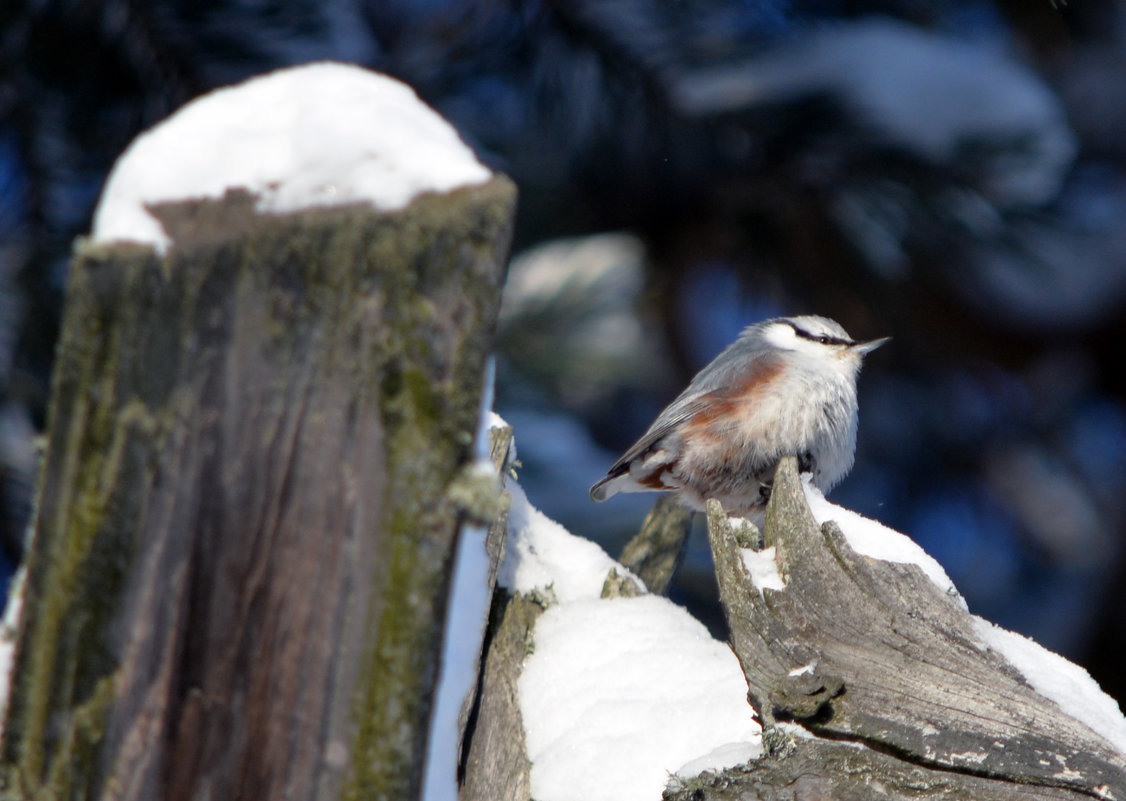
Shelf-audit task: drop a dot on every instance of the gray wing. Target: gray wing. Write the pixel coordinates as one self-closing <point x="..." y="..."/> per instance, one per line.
<point x="722" y="377"/>
<point x="675" y="414"/>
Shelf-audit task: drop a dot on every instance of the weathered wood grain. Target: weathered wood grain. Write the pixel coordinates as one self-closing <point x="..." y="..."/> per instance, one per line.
<point x="497" y="767"/>
<point x="241" y="562"/>
<point x="873" y="653"/>
<point x="656" y="551"/>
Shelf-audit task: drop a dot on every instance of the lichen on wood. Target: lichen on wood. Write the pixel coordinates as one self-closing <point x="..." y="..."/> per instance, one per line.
<point x="873" y="654"/>
<point x="244" y="534"/>
<point x="496" y="765"/>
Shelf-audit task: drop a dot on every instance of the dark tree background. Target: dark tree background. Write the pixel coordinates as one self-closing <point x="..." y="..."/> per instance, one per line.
<point x="947" y="173"/>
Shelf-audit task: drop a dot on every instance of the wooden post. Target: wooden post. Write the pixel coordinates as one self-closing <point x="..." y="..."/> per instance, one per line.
<point x="886" y="681"/>
<point x="241" y="557"/>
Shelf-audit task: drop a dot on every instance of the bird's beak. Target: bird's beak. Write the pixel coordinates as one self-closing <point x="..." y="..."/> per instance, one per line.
<point x="864" y="348"/>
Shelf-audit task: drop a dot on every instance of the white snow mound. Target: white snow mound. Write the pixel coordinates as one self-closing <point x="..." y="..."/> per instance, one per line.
<point x="321" y="134"/>
<point x="871" y="538"/>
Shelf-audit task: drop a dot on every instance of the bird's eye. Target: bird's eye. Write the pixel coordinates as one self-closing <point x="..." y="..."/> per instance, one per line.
<point x="824" y="339"/>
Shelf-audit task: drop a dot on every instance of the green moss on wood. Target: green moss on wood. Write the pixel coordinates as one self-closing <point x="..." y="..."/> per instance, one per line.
<point x="429" y="427"/>
<point x="396" y="309"/>
<point x="98" y="443"/>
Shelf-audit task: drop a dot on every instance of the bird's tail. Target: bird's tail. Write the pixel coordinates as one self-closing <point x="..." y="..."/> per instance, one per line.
<point x="605" y="488"/>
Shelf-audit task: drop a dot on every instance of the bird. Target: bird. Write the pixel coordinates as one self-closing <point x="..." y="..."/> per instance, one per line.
<point x="785" y="387"/>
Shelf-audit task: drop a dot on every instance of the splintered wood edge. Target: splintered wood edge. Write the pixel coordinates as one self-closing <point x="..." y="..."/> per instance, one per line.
<point x="496" y="765"/>
<point x="791" y="644"/>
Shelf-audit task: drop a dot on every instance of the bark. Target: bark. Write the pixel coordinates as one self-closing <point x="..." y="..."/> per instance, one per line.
<point x="823" y="769"/>
<point x="657" y="550"/>
<point x="494" y="762"/>
<point x="242" y="550"/>
<point x="873" y="654"/>
<point x="497" y="767"/>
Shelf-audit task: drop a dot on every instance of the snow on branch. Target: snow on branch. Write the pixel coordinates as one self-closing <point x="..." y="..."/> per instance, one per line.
<point x="874" y="648"/>
<point x="858" y="657"/>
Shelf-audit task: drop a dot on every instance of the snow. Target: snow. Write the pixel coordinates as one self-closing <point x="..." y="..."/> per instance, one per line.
<point x="763" y="568"/>
<point x="617" y="693"/>
<point x="321" y="134"/>
<point x="725" y="756"/>
<point x="802" y="670"/>
<point x="1069" y="685"/>
<point x="543" y="557"/>
<point x="9" y="627"/>
<point x="620" y="693"/>
<point x="873" y="539"/>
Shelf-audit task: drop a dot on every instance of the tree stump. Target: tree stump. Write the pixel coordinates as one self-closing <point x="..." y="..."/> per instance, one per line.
<point x="241" y="558"/>
<point x="882" y="677"/>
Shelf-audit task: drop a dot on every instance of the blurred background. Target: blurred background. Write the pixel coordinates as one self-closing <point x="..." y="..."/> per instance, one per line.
<point x="949" y="173"/>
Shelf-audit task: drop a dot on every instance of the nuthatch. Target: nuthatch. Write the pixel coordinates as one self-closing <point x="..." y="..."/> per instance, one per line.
<point x="785" y="387"/>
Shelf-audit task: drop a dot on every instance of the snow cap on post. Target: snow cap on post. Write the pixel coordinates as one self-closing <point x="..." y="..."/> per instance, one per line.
<point x="304" y="137"/>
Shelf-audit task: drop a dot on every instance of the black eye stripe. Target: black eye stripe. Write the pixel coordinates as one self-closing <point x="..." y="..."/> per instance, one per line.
<point x="824" y="339"/>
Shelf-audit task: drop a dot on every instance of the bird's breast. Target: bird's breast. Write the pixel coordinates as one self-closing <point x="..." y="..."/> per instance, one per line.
<point x="774" y="412"/>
